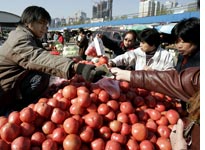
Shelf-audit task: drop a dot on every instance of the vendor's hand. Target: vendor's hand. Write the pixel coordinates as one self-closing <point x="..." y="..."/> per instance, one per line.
<point x="121" y="74"/>
<point x="176" y="137"/>
<point x="111" y="64"/>
<point x="90" y="72"/>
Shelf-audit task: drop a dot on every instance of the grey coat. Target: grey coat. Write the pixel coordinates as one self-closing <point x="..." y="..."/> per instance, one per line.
<point x="21" y="53"/>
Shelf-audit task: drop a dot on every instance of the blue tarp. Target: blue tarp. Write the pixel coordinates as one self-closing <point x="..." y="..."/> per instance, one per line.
<point x="145" y="20"/>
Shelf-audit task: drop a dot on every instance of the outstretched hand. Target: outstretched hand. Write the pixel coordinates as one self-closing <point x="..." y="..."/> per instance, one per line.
<point x="176" y="137"/>
<point x="121" y="74"/>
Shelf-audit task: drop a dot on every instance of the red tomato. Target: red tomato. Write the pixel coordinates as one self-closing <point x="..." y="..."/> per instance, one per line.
<point x="163" y="121"/>
<point x="103" y="109"/>
<point x="163" y="131"/>
<point x="94" y="120"/>
<point x="138" y="101"/>
<point x="49" y="144"/>
<point x="27" y="129"/>
<point x="118" y="138"/>
<point x="92" y="107"/>
<point x="72" y="141"/>
<point x="82" y="90"/>
<point x="153" y="114"/>
<point x="152" y="137"/>
<point x="146" y="145"/>
<point x="139" y="131"/>
<point x="98" y="144"/>
<point x="160" y="106"/>
<point x="122" y="117"/>
<point x="112" y="145"/>
<point x="163" y="144"/>
<point x="151" y="125"/>
<point x="87" y="134"/>
<point x="76" y="109"/>
<point x="69" y="92"/>
<point x="115" y="126"/>
<point x="37" y="138"/>
<point x="10" y="131"/>
<point x="48" y="127"/>
<point x="110" y="116"/>
<point x="53" y="102"/>
<point x="126" y="107"/>
<point x="103" y="96"/>
<point x="71" y="126"/>
<point x="43" y="109"/>
<point x="58" y="116"/>
<point x="59" y="135"/>
<point x="84" y="100"/>
<point x="113" y="104"/>
<point x="126" y="129"/>
<point x="159" y="96"/>
<point x="172" y="116"/>
<point x="14" y="117"/>
<point x="105" y="132"/>
<point x="142" y="92"/>
<point x="133" y="118"/>
<point x="27" y="115"/>
<point x="94" y="97"/>
<point x="132" y="145"/>
<point x="142" y="115"/>
<point x="21" y="142"/>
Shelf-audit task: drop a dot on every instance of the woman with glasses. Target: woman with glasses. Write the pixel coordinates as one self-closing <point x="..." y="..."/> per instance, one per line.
<point x="149" y="56"/>
<point x="129" y="43"/>
<point x="186" y="36"/>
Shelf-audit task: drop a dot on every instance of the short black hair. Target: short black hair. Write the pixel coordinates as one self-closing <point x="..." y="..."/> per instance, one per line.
<point x="188" y="30"/>
<point x="150" y="36"/>
<point x="81" y="30"/>
<point x="34" y="13"/>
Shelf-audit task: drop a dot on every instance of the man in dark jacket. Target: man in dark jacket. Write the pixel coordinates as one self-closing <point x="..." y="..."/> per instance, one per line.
<point x="25" y="66"/>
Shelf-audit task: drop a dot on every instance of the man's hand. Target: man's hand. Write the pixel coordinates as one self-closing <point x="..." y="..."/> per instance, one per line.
<point x="121" y="74"/>
<point x="176" y="137"/>
<point x="90" y="72"/>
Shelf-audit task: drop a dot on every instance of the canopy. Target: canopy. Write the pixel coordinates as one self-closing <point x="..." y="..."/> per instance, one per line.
<point x="166" y="28"/>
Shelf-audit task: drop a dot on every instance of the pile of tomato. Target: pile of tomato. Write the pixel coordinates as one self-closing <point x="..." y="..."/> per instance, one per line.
<point x="82" y="116"/>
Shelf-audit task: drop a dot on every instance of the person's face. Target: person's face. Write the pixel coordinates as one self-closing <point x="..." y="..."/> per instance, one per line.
<point x="184" y="48"/>
<point x="146" y="47"/>
<point x="129" y="40"/>
<point x="38" y="28"/>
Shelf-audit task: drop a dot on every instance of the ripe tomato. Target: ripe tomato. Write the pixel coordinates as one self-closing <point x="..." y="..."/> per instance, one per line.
<point x="122" y="117"/>
<point x="71" y="126"/>
<point x="27" y="115"/>
<point x="172" y="116"/>
<point x="151" y="125"/>
<point x="163" y="144"/>
<point x="84" y="100"/>
<point x="112" y="145"/>
<point x="94" y="120"/>
<point x="14" y="117"/>
<point x="98" y="144"/>
<point x="103" y="96"/>
<point x="43" y="109"/>
<point x="3" y="120"/>
<point x="146" y="145"/>
<point x="9" y="132"/>
<point x="124" y="86"/>
<point x="87" y="134"/>
<point x="69" y="92"/>
<point x="139" y="131"/>
<point x="58" y="116"/>
<point x="163" y="131"/>
<point x="82" y="90"/>
<point x="103" y="109"/>
<point x="126" y="129"/>
<point x="72" y="141"/>
<point x="110" y="116"/>
<point x="37" y="138"/>
<point x="126" y="107"/>
<point x="115" y="126"/>
<point x="21" y="142"/>
<point x="105" y="132"/>
<point x="27" y="129"/>
<point x="118" y="138"/>
<point x="48" y="127"/>
<point x="113" y="104"/>
<point x="49" y="144"/>
<point x="58" y="135"/>
<point x="132" y="145"/>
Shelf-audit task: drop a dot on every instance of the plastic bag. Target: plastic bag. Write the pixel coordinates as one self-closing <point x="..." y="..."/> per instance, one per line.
<point x="110" y="86"/>
<point x="95" y="48"/>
